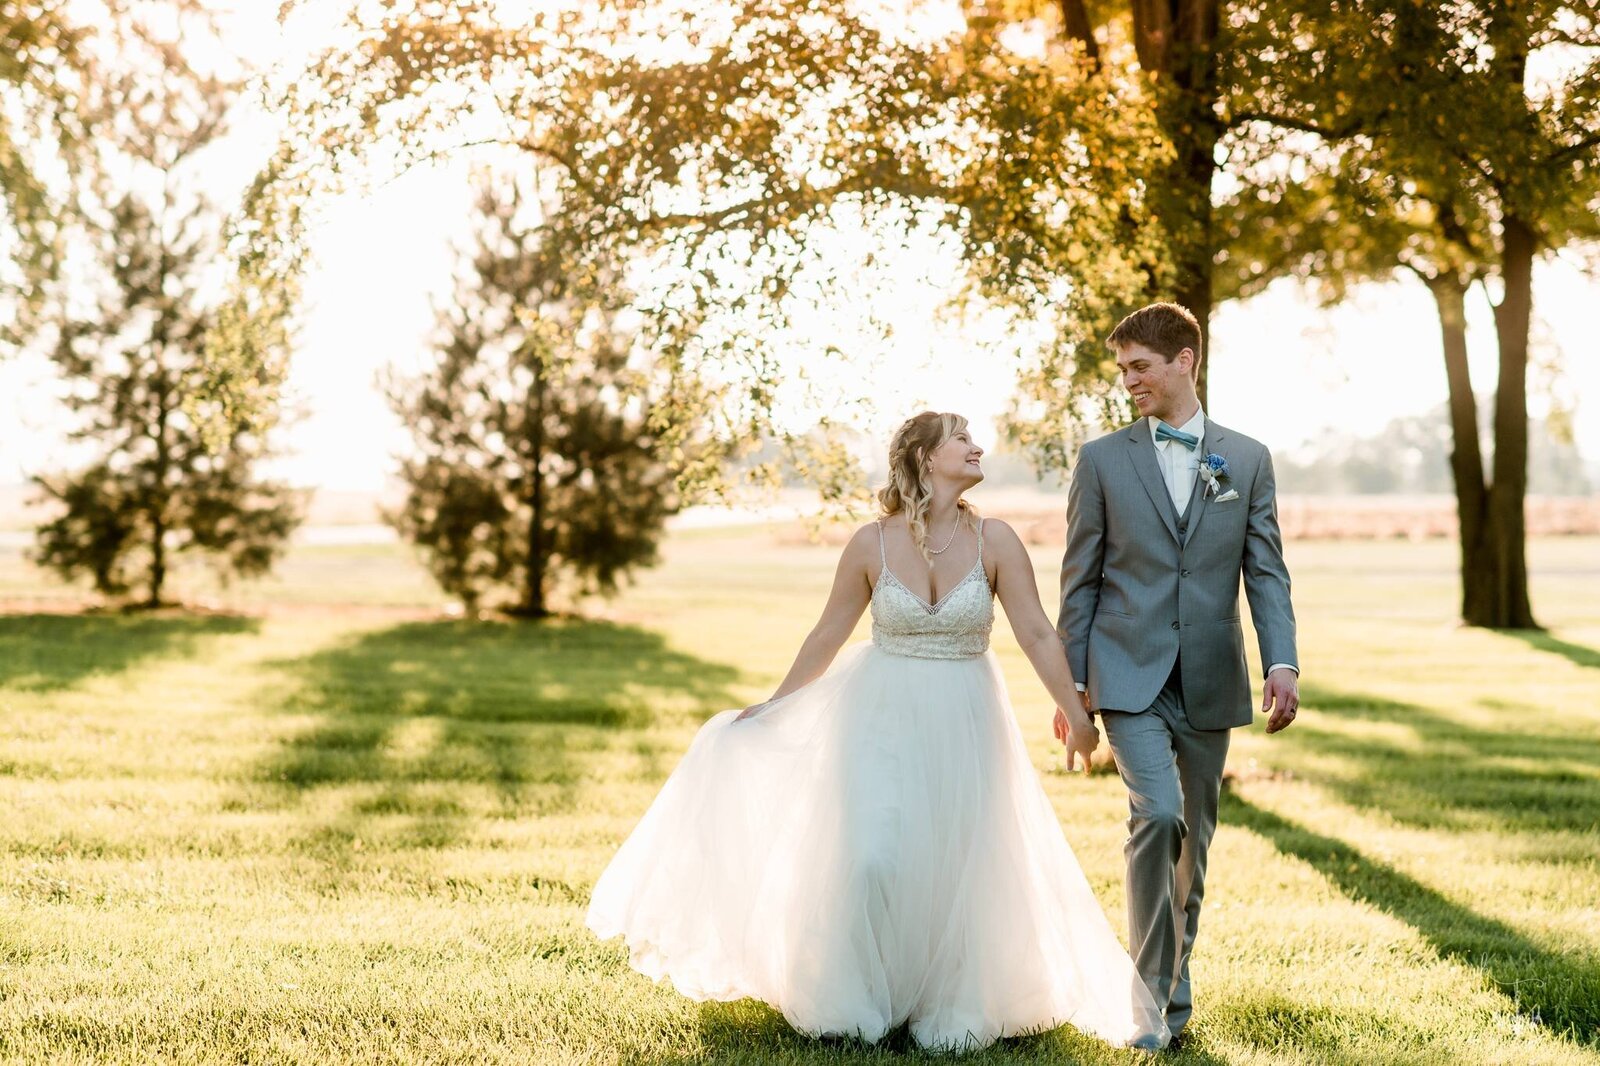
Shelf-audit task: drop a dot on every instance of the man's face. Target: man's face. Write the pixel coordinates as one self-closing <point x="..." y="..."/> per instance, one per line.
<point x="1158" y="387"/>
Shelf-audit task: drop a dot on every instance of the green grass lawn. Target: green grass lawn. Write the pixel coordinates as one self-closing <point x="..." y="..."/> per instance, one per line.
<point x="359" y="834"/>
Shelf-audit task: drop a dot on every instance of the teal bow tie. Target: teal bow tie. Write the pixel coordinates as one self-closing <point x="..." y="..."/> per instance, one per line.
<point x="1166" y="432"/>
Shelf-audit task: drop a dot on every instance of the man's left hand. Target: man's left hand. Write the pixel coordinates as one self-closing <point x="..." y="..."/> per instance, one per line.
<point x="1281" y="696"/>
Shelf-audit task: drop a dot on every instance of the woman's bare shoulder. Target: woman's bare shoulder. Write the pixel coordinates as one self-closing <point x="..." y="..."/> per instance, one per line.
<point x="863" y="541"/>
<point x="1002" y="540"/>
<point x="999" y="528"/>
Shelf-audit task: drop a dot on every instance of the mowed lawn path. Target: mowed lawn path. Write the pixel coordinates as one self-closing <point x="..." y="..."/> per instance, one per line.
<point x="314" y="833"/>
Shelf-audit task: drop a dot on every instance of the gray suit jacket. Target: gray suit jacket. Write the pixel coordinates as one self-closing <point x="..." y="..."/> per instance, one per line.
<point x="1134" y="594"/>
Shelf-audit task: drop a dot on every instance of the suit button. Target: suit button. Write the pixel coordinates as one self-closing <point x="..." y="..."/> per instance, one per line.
<point x="1183" y="573"/>
<point x="1174" y="625"/>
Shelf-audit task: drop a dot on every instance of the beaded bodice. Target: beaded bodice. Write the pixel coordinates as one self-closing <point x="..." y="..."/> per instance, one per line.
<point x="957" y="627"/>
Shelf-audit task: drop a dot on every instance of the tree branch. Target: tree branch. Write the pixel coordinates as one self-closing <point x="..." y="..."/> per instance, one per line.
<point x="1555" y="35"/>
<point x="436" y="154"/>
<point x="1289" y="122"/>
<point x="1572" y="151"/>
<point x="1409" y="263"/>
<point x="714" y="219"/>
<point x="785" y="199"/>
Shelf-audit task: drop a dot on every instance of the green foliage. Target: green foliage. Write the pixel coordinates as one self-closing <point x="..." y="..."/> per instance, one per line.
<point x="96" y="534"/>
<point x="1072" y="147"/>
<point x="1400" y="135"/>
<point x="45" y="67"/>
<point x="58" y="66"/>
<point x="1460" y="148"/>
<point x="134" y="359"/>
<point x="720" y="144"/>
<point x="537" y="451"/>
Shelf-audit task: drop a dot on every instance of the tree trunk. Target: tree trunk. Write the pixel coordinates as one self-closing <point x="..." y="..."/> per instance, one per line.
<point x="1507" y="578"/>
<point x="533" y="605"/>
<point x="1176" y="44"/>
<point x="1192" y="248"/>
<point x="1195" y="294"/>
<point x="1500" y="599"/>
<point x="158" y="502"/>
<point x="1466" y="454"/>
<point x="163" y="388"/>
<point x="158" y="560"/>
<point x="1077" y="26"/>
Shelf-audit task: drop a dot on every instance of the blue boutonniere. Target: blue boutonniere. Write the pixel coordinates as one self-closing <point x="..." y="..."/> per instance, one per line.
<point x="1214" y="472"/>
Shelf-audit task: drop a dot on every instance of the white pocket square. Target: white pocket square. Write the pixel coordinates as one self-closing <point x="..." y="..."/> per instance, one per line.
<point x="1231" y="494"/>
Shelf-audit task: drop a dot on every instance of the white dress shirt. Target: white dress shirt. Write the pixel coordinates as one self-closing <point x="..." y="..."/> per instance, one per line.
<point x="1178" y="464"/>
<point x="1178" y="468"/>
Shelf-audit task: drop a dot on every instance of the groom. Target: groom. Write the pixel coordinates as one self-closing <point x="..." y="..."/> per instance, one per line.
<point x="1165" y="517"/>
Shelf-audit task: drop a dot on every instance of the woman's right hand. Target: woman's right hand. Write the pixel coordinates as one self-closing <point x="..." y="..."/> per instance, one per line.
<point x="752" y="709"/>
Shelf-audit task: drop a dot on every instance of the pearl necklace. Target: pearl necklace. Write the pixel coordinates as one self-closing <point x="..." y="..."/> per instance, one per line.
<point x="953" y="531"/>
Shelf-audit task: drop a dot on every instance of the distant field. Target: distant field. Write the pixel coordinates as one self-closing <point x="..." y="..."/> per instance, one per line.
<point x="321" y="822"/>
<point x="330" y="513"/>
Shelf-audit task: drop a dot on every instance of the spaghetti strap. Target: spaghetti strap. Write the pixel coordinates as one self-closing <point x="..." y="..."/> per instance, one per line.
<point x="883" y="554"/>
<point x="980" y="542"/>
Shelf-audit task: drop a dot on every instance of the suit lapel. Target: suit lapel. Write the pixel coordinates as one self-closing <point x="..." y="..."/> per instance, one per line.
<point x="1144" y="463"/>
<point x="1214" y="437"/>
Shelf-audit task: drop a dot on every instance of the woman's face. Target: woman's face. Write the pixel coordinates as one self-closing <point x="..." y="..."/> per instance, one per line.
<point x="957" y="460"/>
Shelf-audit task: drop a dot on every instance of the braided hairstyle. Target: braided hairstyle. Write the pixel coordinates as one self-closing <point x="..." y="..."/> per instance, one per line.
<point x="909" y="489"/>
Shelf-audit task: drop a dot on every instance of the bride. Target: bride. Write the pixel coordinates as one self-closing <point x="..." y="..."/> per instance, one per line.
<point x="871" y="846"/>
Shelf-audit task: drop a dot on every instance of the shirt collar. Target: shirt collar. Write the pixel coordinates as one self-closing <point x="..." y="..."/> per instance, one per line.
<point x="1196" y="425"/>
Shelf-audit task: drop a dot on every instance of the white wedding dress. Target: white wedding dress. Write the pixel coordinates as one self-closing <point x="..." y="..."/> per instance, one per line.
<point x="875" y="849"/>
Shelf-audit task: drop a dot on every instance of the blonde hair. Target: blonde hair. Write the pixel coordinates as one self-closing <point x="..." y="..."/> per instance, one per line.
<point x="909" y="489"/>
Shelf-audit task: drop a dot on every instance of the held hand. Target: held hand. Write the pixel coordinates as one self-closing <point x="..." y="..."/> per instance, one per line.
<point x="1082" y="739"/>
<point x="1281" y="696"/>
<point x="1063" y="725"/>
<point x="754" y="708"/>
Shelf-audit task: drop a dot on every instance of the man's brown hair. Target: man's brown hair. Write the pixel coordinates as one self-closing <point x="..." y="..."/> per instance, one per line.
<point x="1165" y="328"/>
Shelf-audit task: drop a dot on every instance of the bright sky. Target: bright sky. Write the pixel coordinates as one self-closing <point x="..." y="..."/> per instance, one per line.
<point x="1283" y="370"/>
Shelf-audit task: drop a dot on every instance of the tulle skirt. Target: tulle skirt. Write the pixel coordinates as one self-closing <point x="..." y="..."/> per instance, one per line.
<point x="872" y="850"/>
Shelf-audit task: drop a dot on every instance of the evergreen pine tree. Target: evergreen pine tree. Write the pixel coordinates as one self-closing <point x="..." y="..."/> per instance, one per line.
<point x="134" y="358"/>
<point x="535" y="463"/>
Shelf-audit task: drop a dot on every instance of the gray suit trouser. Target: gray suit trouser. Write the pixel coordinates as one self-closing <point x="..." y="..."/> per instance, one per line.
<point x="1173" y="773"/>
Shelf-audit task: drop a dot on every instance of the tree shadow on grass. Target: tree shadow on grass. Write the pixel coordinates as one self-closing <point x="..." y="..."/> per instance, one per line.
<point x="1538" y="639"/>
<point x="1561" y="991"/>
<point x="51" y="652"/>
<point x="438" y="722"/>
<point x="1304" y="1030"/>
<point x="1427" y="770"/>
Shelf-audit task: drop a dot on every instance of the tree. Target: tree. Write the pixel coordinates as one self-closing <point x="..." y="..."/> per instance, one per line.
<point x="1467" y="170"/>
<point x="720" y="142"/>
<point x="536" y="461"/>
<point x="56" y="60"/>
<point x="134" y="358"/>
<point x="1074" y="146"/>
